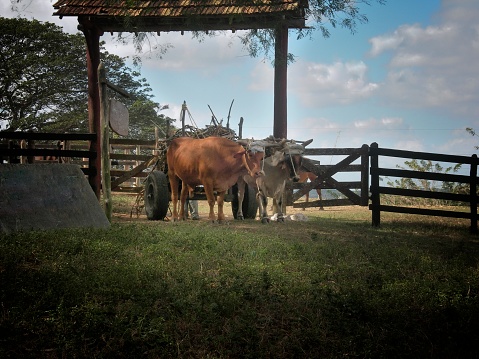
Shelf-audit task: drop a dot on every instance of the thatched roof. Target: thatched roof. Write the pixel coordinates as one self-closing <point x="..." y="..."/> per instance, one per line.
<point x="183" y="15"/>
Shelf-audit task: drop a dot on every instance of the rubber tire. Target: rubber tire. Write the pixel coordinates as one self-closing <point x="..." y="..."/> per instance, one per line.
<point x="250" y="204"/>
<point x="157" y="196"/>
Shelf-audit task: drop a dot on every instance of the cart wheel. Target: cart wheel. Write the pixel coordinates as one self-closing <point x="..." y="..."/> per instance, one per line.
<point x="157" y="196"/>
<point x="250" y="204"/>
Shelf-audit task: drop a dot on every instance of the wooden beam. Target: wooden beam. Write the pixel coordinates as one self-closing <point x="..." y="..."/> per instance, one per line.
<point x="280" y="83"/>
<point x="92" y="37"/>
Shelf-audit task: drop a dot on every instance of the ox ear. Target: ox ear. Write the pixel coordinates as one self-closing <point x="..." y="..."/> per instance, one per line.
<point x="239" y="154"/>
<point x="277" y="158"/>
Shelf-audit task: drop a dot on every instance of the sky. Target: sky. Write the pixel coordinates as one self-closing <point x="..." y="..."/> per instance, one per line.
<point x="407" y="79"/>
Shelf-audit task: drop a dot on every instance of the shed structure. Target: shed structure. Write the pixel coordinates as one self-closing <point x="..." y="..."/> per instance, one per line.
<point x="96" y="17"/>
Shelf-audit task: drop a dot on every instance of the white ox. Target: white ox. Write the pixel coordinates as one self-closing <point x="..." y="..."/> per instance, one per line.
<point x="282" y="166"/>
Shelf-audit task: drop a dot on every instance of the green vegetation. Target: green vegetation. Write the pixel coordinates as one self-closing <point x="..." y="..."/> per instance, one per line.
<point x="44" y="82"/>
<point x="330" y="287"/>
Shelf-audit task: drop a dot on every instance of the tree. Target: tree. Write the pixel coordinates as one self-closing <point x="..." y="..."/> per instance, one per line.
<point x="472" y="133"/>
<point x="144" y="117"/>
<point x="43" y="79"/>
<point x="343" y="13"/>
<point x="37" y="66"/>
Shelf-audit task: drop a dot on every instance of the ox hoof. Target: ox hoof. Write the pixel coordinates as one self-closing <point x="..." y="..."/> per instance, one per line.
<point x="240" y="218"/>
<point x="265" y="220"/>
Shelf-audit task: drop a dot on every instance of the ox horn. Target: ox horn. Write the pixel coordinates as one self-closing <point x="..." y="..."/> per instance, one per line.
<point x="305" y="143"/>
<point x="243" y="142"/>
<point x="281" y="143"/>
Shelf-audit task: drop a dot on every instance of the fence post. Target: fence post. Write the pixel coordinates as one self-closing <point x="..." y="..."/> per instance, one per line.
<point x="105" y="143"/>
<point x="364" y="175"/>
<point x="375" y="199"/>
<point x="473" y="194"/>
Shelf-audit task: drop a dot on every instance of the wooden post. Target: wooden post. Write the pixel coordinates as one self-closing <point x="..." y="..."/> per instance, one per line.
<point x="31" y="146"/>
<point x="375" y="198"/>
<point x="240" y="128"/>
<point x="473" y="194"/>
<point x="183" y="114"/>
<point x="92" y="37"/>
<point x="105" y="143"/>
<point x="364" y="175"/>
<point x="280" y="83"/>
<point x="155" y="152"/>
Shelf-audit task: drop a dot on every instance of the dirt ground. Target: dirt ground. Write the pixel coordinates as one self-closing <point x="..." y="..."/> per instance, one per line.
<point x="126" y="215"/>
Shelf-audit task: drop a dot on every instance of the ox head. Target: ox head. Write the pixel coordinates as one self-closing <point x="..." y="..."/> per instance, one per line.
<point x="290" y="157"/>
<point x="252" y="156"/>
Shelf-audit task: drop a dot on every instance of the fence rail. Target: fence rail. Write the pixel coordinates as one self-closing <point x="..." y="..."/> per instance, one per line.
<point x="325" y="178"/>
<point x="21" y="147"/>
<point x="377" y="190"/>
<point x="128" y="154"/>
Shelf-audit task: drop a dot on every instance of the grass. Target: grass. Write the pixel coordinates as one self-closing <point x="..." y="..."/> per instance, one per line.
<point x="331" y="287"/>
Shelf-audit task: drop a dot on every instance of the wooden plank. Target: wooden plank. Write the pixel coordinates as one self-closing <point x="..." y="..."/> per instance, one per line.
<point x="424" y="194"/>
<point x="423" y="155"/>
<point x="346" y="191"/>
<point x="133" y="172"/>
<point x="47" y="136"/>
<point x="132" y="142"/>
<point x="331" y="171"/>
<point x="324" y="203"/>
<point x="375" y="197"/>
<point x="329" y="151"/>
<point x="349" y="184"/>
<point x="473" y="192"/>
<point x="46" y="152"/>
<point x="364" y="171"/>
<point x="121" y="156"/>
<point x="446" y="177"/>
<point x="420" y="211"/>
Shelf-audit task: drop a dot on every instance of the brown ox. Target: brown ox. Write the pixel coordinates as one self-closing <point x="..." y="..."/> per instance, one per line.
<point x="214" y="162"/>
<point x="303" y="177"/>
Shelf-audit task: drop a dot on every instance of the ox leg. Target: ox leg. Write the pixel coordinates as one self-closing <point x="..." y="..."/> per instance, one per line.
<point x="210" y="197"/>
<point x="241" y="191"/>
<point x="279" y="207"/>
<point x="183" y="196"/>
<point x="221" y="201"/>
<point x="320" y="196"/>
<point x="174" y="184"/>
<point x="263" y="206"/>
<point x="307" y="199"/>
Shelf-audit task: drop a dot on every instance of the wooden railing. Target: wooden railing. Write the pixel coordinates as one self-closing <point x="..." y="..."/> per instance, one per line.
<point x="325" y="178"/>
<point x="76" y="148"/>
<point x="17" y="147"/>
<point x="376" y="190"/>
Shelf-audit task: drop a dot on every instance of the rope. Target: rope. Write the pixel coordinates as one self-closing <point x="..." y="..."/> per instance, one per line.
<point x="292" y="165"/>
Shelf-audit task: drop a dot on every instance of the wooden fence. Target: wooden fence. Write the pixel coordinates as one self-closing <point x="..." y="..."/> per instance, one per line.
<point x="21" y="147"/>
<point x="377" y="190"/>
<point x="129" y="157"/>
<point x="325" y="178"/>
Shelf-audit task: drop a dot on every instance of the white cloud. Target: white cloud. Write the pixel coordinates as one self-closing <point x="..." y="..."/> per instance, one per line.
<point x="39" y="10"/>
<point x="434" y="66"/>
<point x="188" y="53"/>
<point x="262" y="77"/>
<point x="318" y="84"/>
<point x="410" y="145"/>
